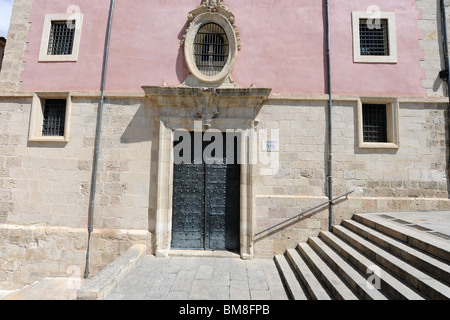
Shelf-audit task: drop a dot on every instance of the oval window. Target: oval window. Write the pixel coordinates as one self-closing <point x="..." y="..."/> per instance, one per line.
<point x="211" y="49"/>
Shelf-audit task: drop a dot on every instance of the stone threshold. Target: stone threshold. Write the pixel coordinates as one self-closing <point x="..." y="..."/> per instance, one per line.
<point x="204" y="253"/>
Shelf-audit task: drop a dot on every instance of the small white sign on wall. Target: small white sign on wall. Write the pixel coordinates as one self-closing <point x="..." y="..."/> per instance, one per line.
<point x="270" y="145"/>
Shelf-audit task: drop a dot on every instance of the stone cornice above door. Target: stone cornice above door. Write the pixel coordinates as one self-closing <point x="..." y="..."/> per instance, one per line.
<point x="207" y="103"/>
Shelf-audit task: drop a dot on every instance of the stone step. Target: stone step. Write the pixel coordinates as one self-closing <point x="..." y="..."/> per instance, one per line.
<point x="424" y="283"/>
<point x="426" y="242"/>
<point x="431" y="265"/>
<point x="291" y="281"/>
<point x="312" y="284"/>
<point x="373" y="256"/>
<point x="334" y="284"/>
<point x="356" y="281"/>
<point x="5" y="293"/>
<point x="49" y="289"/>
<point x="377" y="276"/>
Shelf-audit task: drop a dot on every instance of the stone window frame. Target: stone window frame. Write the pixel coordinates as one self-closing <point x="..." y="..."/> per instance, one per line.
<point x="392" y="35"/>
<point x="49" y="18"/>
<point x="188" y="43"/>
<point x="37" y="117"/>
<point x="392" y="118"/>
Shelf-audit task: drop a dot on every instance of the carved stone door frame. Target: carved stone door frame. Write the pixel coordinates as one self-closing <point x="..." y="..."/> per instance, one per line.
<point x="220" y="109"/>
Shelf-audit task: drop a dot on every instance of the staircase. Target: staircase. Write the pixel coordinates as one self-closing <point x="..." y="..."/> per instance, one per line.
<point x="371" y="257"/>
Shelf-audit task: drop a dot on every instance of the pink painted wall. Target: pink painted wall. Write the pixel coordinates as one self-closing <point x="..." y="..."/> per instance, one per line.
<point x="82" y="75"/>
<point x="401" y="79"/>
<point x="282" y="47"/>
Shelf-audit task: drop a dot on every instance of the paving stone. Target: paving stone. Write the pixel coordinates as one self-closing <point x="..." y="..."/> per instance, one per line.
<point x="239" y="292"/>
<point x="257" y="280"/>
<point x="201" y="278"/>
<point x="160" y="288"/>
<point x="183" y="280"/>
<point x="219" y="292"/>
<point x="200" y="290"/>
<point x="257" y="294"/>
<point x="278" y="292"/>
<point x="178" y="295"/>
<point x="238" y="274"/>
<point x="205" y="272"/>
<point x="221" y="278"/>
<point x="116" y="296"/>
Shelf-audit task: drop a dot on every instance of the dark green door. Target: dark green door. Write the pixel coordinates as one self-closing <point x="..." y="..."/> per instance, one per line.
<point x="206" y="201"/>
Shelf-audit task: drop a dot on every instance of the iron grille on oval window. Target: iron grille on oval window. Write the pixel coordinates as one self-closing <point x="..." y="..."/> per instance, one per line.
<point x="54" y="117"/>
<point x="374" y="123"/>
<point x="211" y="49"/>
<point x="374" y="37"/>
<point x="61" y="39"/>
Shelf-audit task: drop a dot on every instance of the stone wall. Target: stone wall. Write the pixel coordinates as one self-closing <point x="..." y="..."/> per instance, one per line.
<point x="30" y="253"/>
<point x="13" y="61"/>
<point x="275" y="209"/>
<point x="431" y="44"/>
<point x="49" y="183"/>
<point x="45" y="189"/>
<point x="412" y="177"/>
<point x="416" y="169"/>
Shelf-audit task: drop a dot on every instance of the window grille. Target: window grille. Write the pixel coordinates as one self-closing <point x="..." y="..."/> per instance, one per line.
<point x="54" y="117"/>
<point x="374" y="123"/>
<point x="374" y="37"/>
<point x="211" y="49"/>
<point x="61" y="39"/>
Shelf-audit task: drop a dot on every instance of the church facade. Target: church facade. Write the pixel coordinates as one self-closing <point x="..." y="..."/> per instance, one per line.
<point x="200" y="125"/>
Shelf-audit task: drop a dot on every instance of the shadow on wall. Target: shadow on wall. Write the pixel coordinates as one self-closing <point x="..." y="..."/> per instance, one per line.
<point x="292" y="224"/>
<point x="438" y="82"/>
<point x="139" y="129"/>
<point x="2" y="50"/>
<point x="144" y="128"/>
<point x="181" y="67"/>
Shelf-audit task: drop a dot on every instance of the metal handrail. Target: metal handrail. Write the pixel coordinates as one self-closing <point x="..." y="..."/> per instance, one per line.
<point x="304" y="212"/>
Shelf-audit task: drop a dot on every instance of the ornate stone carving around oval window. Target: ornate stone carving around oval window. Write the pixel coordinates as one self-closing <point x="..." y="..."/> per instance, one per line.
<point x="220" y="53"/>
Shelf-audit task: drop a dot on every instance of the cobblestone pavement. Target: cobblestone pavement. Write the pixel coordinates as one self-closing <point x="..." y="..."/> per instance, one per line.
<point x="201" y="278"/>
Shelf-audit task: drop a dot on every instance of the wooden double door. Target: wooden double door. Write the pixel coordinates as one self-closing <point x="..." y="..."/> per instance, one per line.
<point x="206" y="197"/>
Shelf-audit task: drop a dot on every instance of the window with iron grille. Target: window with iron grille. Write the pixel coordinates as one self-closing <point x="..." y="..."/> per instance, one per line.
<point x="374" y="37"/>
<point x="374" y="123"/>
<point x="62" y="34"/>
<point x="211" y="49"/>
<point x="54" y="117"/>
